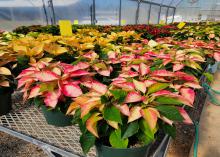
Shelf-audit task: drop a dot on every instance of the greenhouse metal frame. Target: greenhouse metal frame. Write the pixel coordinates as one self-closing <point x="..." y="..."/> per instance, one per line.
<point x="113" y="12"/>
<point x="171" y="5"/>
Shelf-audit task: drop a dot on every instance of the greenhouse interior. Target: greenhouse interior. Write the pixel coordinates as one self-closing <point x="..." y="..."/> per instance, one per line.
<point x="109" y="78"/>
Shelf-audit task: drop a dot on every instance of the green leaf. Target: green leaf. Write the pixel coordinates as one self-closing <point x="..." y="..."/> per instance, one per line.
<point x="38" y="102"/>
<point x="119" y="95"/>
<point x="116" y="141"/>
<point x="104" y="99"/>
<point x="170" y="112"/>
<point x="23" y="60"/>
<point x="145" y="128"/>
<point x="193" y="65"/>
<point x="103" y="129"/>
<point x="82" y="127"/>
<point x="209" y="76"/>
<point x="170" y="130"/>
<point x="101" y="66"/>
<point x="157" y="86"/>
<point x="113" y="114"/>
<point x="145" y="140"/>
<point x="168" y="100"/>
<point x="87" y="140"/>
<point x="76" y="117"/>
<point x="85" y="118"/>
<point x="157" y="62"/>
<point x="138" y="61"/>
<point x="131" y="130"/>
<point x="47" y="87"/>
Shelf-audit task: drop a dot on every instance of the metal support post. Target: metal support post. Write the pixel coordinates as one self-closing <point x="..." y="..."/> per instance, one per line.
<point x="137" y="12"/>
<point x="158" y="20"/>
<point x="174" y="12"/>
<point x="167" y="13"/>
<point x="149" y="12"/>
<point x="53" y="18"/>
<point x="45" y="12"/>
<point x="91" y="14"/>
<point x="94" y="13"/>
<point x="157" y="4"/>
<point x="120" y="12"/>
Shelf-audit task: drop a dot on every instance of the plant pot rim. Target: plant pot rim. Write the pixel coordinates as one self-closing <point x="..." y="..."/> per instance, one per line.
<point x="56" y="118"/>
<point x="134" y="148"/>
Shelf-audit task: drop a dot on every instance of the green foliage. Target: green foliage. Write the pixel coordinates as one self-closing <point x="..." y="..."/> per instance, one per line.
<point x="146" y="135"/>
<point x="209" y="76"/>
<point x="168" y="129"/>
<point x="112" y="113"/>
<point x="119" y="95"/>
<point x="23" y="60"/>
<point x="168" y="100"/>
<point x="116" y="140"/>
<point x="104" y="99"/>
<point x="47" y="87"/>
<point x="87" y="140"/>
<point x="38" y="101"/>
<point x="157" y="86"/>
<point x="131" y="130"/>
<point x="170" y="112"/>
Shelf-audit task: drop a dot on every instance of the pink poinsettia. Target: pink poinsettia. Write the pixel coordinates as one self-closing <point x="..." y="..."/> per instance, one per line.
<point x="53" y="81"/>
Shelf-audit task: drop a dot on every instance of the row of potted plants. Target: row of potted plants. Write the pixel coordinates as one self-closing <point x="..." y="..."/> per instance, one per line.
<point x="119" y="88"/>
<point x="201" y="30"/>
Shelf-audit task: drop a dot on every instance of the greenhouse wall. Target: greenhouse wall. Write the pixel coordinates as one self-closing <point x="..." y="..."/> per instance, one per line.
<point x="198" y="10"/>
<point x="19" y="12"/>
<point x="14" y="13"/>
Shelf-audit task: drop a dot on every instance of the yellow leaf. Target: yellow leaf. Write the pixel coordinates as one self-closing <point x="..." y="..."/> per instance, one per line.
<point x="47" y="59"/>
<point x="113" y="124"/>
<point x="14" y="66"/>
<point x="56" y="71"/>
<point x="21" y="49"/>
<point x="54" y="49"/>
<point x="2" y="53"/>
<point x="32" y="60"/>
<point x="5" y="84"/>
<point x="101" y="66"/>
<point x="37" y="49"/>
<point x="91" y="124"/>
<point x="152" y="43"/>
<point x="72" y="108"/>
<point x="5" y="71"/>
<point x="150" y="115"/>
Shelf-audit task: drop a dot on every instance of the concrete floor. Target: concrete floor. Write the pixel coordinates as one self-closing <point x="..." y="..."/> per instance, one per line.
<point x="14" y="147"/>
<point x="209" y="129"/>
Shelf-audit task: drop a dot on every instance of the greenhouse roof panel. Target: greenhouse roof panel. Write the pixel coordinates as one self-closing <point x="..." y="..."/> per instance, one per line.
<point x="171" y="3"/>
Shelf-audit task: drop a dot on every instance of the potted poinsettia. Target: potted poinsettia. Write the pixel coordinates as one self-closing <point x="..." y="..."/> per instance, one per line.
<point x="122" y="119"/>
<point x="5" y="90"/>
<point x="52" y="87"/>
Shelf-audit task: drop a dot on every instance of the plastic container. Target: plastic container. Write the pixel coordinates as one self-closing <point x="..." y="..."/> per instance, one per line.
<point x="56" y="118"/>
<point x="105" y="151"/>
<point x="5" y="100"/>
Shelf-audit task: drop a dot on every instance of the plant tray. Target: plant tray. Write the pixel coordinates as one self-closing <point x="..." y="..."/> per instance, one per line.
<point x="28" y="123"/>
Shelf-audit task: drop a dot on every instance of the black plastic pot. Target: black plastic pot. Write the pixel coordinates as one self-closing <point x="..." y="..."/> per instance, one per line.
<point x="105" y="151"/>
<point x="5" y="100"/>
<point x="56" y="118"/>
